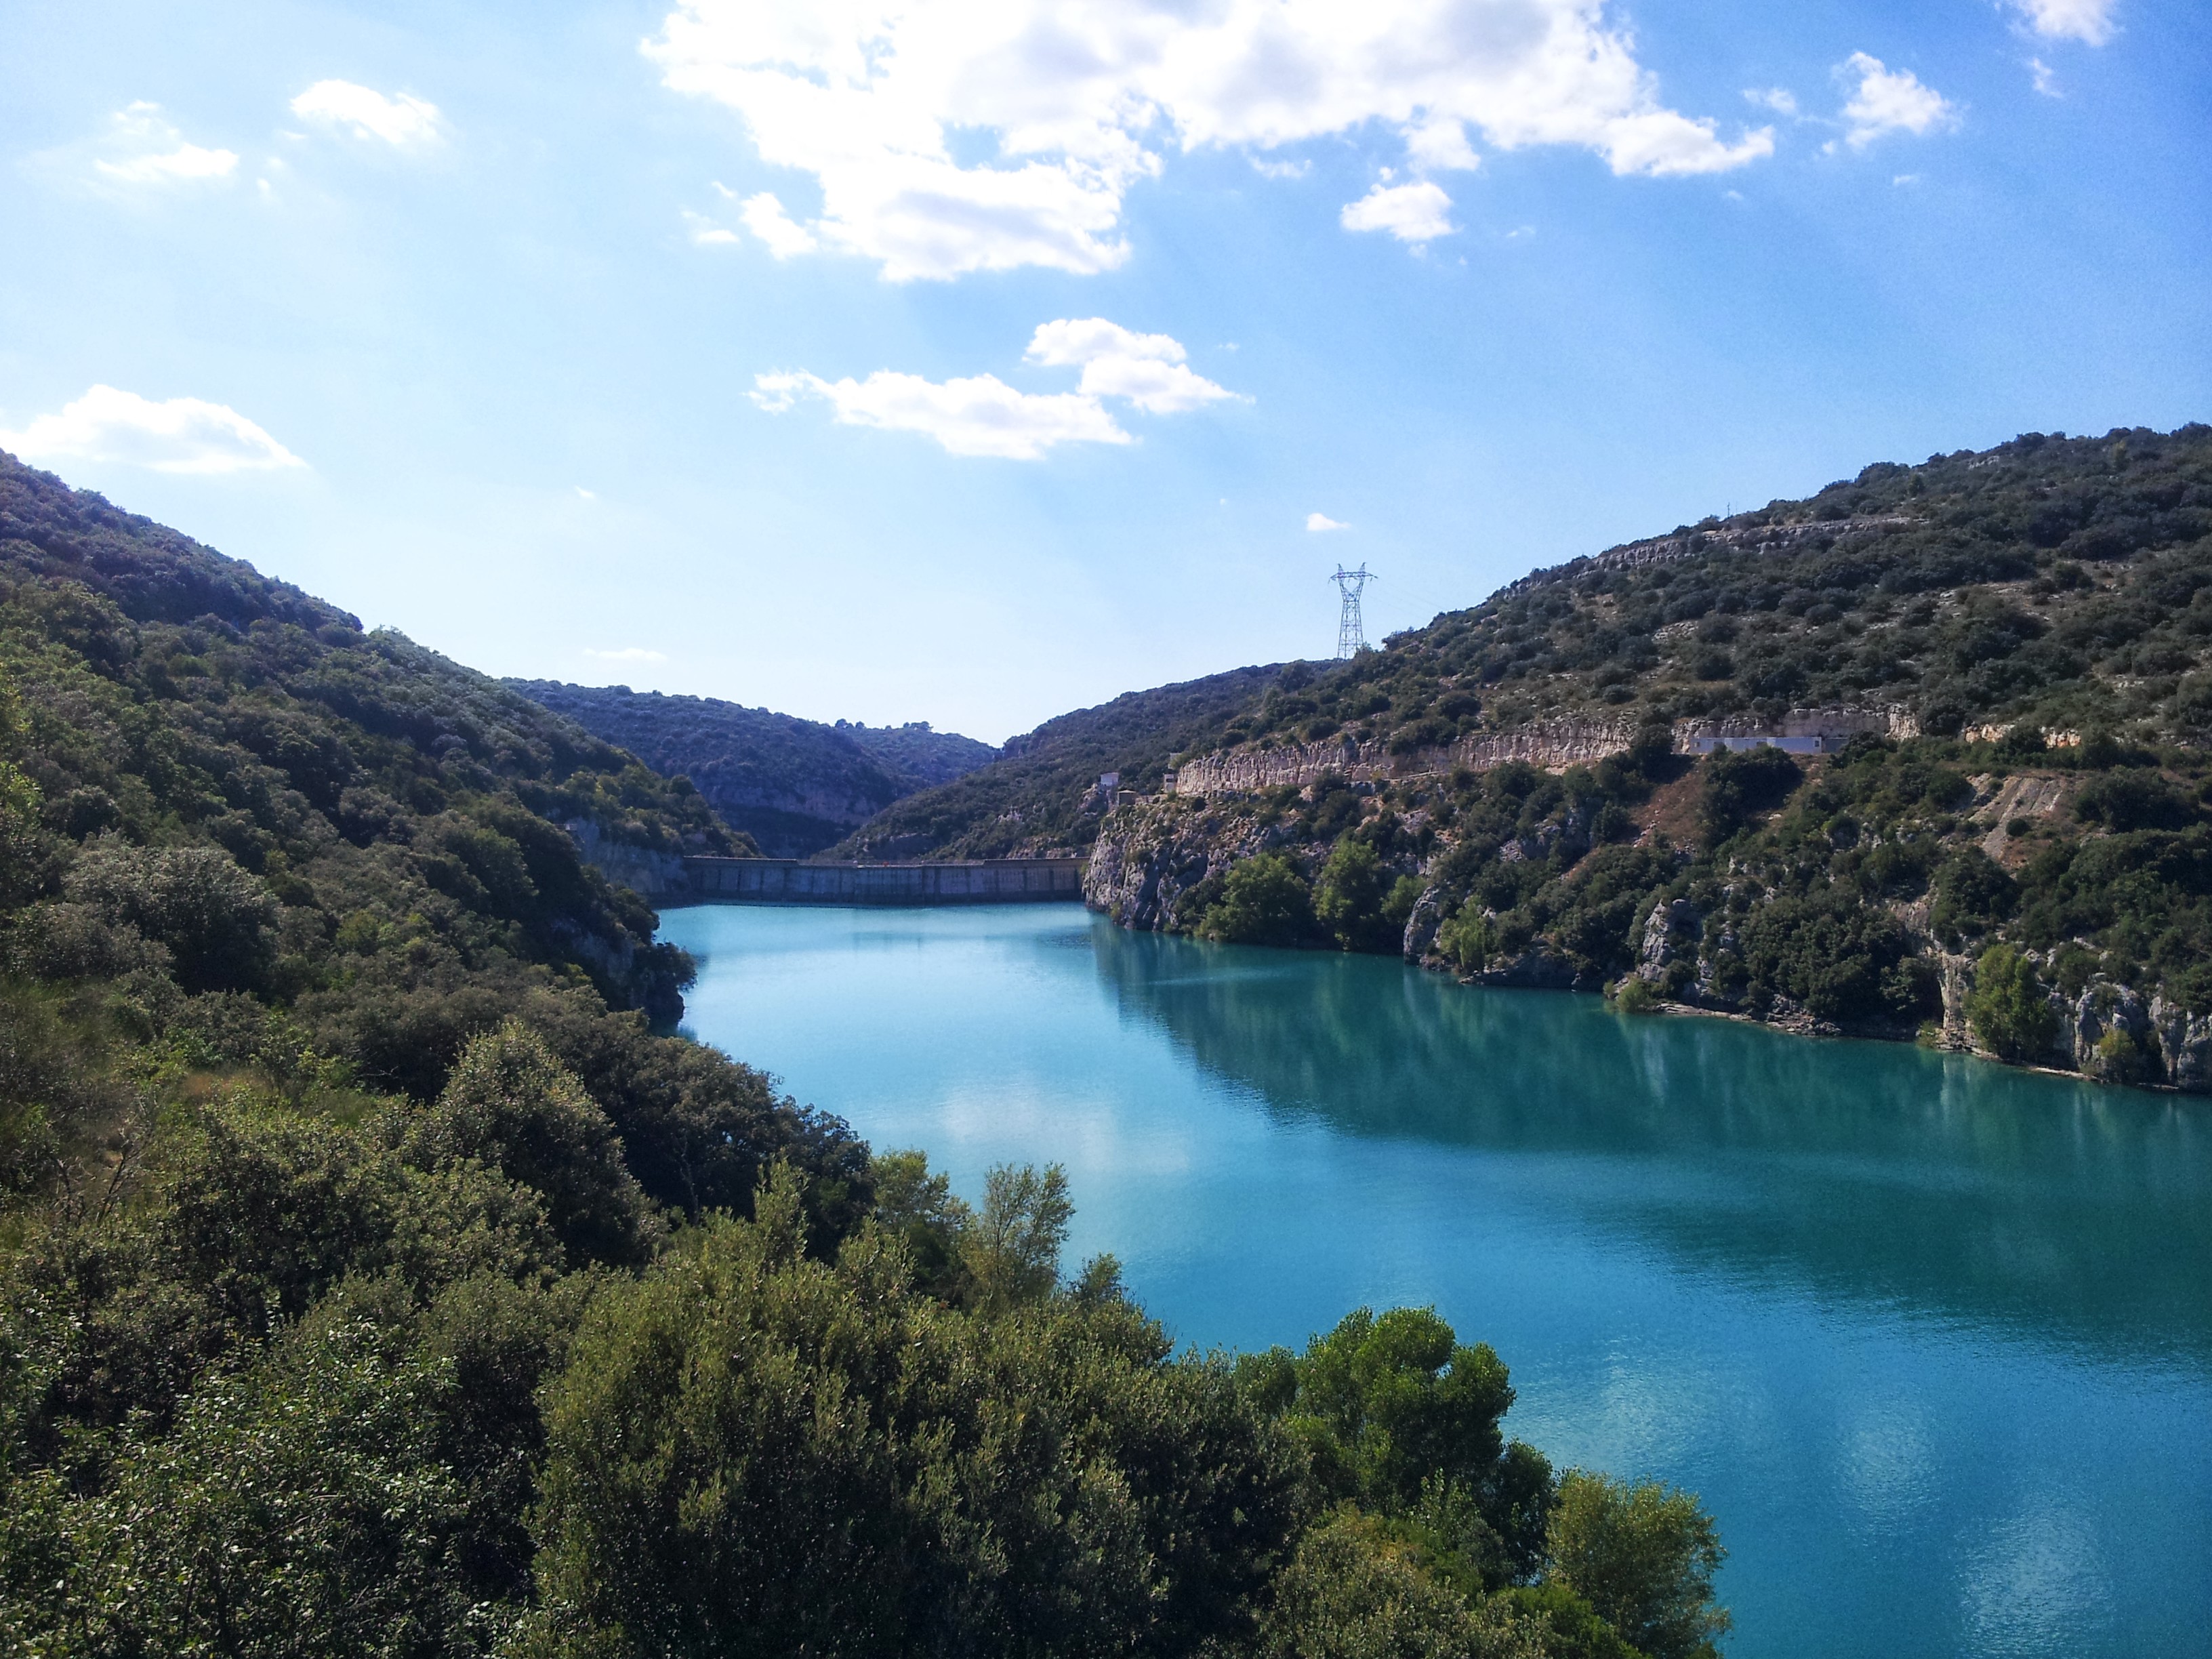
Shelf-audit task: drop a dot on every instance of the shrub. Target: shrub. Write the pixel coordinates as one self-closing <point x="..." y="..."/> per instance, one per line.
<point x="1264" y="901"/>
<point x="1348" y="898"/>
<point x="1644" y="1558"/>
<point x="2008" y="1010"/>
<point x="1634" y="995"/>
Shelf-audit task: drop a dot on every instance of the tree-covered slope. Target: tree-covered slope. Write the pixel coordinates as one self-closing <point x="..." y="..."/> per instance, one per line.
<point x="2021" y="640"/>
<point x="794" y="785"/>
<point x="1041" y="796"/>
<point x="2044" y="582"/>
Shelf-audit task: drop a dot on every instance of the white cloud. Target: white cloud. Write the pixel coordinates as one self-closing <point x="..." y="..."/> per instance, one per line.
<point x="2045" y="81"/>
<point x="981" y="415"/>
<point x="2089" y="21"/>
<point x="402" y="121"/>
<point x="1412" y="213"/>
<point x="1780" y="100"/>
<point x="1267" y="168"/>
<point x="1320" y="521"/>
<point x="1076" y="100"/>
<point x="142" y="148"/>
<point x="183" y="434"/>
<point x="705" y="233"/>
<point x="627" y="654"/>
<point x="764" y="216"/>
<point x="1147" y="369"/>
<point x="584" y="495"/>
<point x="1892" y="100"/>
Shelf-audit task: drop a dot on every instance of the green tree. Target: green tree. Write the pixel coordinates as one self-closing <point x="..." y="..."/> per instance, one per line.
<point x="753" y="1451"/>
<point x="1356" y="1591"/>
<point x="1739" y="785"/>
<point x="2008" y="1009"/>
<point x="512" y="1105"/>
<point x="216" y="918"/>
<point x="1011" y="1248"/>
<point x="1264" y="901"/>
<point x="1348" y="898"/>
<point x="1643" y="1557"/>
<point x="1470" y="938"/>
<point x="1404" y="1418"/>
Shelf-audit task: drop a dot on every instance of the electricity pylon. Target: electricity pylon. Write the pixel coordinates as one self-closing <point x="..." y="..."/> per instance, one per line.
<point x="1351" y="637"/>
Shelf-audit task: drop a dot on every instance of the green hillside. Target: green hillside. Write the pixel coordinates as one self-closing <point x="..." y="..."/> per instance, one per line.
<point x="2004" y="654"/>
<point x="1041" y="796"/>
<point x="794" y="785"/>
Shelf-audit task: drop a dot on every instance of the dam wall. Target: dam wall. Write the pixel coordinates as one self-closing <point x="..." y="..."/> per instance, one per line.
<point x="798" y="881"/>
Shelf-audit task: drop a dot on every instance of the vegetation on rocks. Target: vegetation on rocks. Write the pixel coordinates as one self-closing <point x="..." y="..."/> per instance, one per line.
<point x="2017" y="638"/>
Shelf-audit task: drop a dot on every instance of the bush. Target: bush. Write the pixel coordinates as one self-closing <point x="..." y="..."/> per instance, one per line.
<point x="2008" y="1010"/>
<point x="1644" y="1558"/>
<point x="1634" y="995"/>
<point x="1739" y="785"/>
<point x="215" y="919"/>
<point x="1264" y="901"/>
<point x="1348" y="898"/>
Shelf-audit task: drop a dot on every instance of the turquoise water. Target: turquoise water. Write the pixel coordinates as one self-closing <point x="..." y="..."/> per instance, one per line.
<point x="1932" y="1339"/>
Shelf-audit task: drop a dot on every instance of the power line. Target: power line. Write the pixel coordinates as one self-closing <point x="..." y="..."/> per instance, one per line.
<point x="1351" y="637"/>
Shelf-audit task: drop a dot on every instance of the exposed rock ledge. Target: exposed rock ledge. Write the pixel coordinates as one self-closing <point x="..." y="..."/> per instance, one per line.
<point x="1545" y="743"/>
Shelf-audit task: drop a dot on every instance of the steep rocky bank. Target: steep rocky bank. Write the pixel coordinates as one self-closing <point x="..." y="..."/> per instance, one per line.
<point x="1161" y="861"/>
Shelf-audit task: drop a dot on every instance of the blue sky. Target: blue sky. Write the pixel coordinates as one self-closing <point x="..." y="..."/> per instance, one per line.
<point x="974" y="359"/>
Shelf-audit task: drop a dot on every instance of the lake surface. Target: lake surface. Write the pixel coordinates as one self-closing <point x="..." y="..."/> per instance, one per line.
<point x="1932" y="1339"/>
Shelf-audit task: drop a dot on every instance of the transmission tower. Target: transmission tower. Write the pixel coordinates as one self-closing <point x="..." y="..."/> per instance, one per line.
<point x="1351" y="637"/>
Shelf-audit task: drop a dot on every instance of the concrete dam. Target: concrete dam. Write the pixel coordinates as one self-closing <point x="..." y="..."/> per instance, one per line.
<point x="797" y="881"/>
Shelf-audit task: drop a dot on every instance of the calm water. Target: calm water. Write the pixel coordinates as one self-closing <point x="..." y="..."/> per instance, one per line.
<point x="1933" y="1339"/>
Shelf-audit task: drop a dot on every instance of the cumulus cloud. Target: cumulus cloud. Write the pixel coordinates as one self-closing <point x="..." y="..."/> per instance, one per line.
<point x="402" y="121"/>
<point x="706" y="233"/>
<point x="1061" y="105"/>
<point x="1780" y="100"/>
<point x="627" y="654"/>
<point x="981" y="415"/>
<point x="1147" y="369"/>
<point x="2089" y="21"/>
<point x="142" y="148"/>
<point x="764" y="216"/>
<point x="183" y="434"/>
<point x="1892" y="100"/>
<point x="1412" y="213"/>
<point x="1320" y="521"/>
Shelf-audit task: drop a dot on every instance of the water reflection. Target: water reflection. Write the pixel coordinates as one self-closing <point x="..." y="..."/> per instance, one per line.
<point x="1865" y="1171"/>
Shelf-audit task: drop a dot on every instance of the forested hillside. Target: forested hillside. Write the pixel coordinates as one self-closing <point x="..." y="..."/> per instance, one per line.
<point x="2003" y="656"/>
<point x="1042" y="796"/>
<point x="794" y="785"/>
<point x="375" y="1280"/>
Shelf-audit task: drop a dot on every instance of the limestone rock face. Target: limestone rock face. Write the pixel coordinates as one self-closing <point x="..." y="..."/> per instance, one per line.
<point x="1151" y="853"/>
<point x="1671" y="934"/>
<point x="1421" y="924"/>
<point x="2185" y="1044"/>
<point x="2105" y="1032"/>
<point x="652" y="874"/>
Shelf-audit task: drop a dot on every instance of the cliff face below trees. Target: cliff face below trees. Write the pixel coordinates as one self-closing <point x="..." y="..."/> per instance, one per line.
<point x="1985" y="682"/>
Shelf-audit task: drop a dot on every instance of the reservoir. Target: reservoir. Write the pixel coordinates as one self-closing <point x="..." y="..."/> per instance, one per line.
<point x="1932" y="1339"/>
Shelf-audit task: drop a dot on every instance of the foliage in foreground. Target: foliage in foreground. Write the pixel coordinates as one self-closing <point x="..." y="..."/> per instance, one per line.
<point x="343" y="1374"/>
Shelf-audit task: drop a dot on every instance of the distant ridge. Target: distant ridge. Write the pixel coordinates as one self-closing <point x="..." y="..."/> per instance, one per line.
<point x="794" y="786"/>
